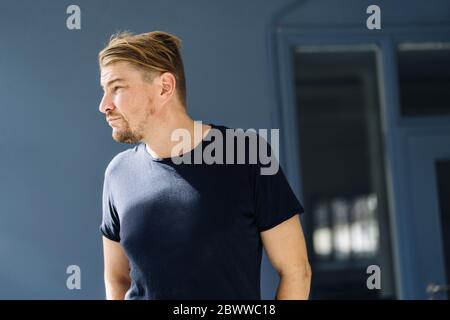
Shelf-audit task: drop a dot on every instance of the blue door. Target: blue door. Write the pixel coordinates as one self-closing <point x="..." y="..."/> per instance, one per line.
<point x="427" y="163"/>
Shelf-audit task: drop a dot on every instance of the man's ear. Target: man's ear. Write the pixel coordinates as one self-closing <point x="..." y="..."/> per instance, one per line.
<point x="168" y="85"/>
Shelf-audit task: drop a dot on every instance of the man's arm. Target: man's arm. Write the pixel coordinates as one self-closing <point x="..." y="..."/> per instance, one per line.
<point x="117" y="270"/>
<point x="286" y="249"/>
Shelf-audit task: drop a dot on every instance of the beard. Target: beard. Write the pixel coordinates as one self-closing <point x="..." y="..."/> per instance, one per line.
<point x="125" y="134"/>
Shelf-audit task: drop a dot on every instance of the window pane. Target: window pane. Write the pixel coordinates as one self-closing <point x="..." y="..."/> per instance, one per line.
<point x="342" y="167"/>
<point x="424" y="76"/>
<point x="443" y="186"/>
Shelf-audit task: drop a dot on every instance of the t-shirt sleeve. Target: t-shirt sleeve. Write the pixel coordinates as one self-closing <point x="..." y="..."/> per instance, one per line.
<point x="275" y="201"/>
<point x="110" y="226"/>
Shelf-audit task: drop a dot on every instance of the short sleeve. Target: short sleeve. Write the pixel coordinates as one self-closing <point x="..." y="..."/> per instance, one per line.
<point x="274" y="199"/>
<point x="110" y="226"/>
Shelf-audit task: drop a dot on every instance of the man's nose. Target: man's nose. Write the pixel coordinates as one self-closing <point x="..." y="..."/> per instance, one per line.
<point x="106" y="105"/>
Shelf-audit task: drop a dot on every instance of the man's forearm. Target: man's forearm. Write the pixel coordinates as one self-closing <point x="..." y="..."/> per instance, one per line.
<point x="294" y="286"/>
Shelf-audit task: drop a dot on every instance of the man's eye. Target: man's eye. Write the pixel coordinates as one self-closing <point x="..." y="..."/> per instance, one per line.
<point x="116" y="88"/>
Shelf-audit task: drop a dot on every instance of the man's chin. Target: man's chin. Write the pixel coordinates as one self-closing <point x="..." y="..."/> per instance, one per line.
<point x="124" y="138"/>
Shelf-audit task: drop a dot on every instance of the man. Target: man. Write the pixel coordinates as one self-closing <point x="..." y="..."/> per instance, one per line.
<point x="185" y="231"/>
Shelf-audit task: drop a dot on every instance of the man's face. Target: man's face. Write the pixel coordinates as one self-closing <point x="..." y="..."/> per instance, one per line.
<point x="128" y="102"/>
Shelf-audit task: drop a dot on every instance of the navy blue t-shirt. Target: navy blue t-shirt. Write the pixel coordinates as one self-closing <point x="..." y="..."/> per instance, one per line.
<point x="192" y="231"/>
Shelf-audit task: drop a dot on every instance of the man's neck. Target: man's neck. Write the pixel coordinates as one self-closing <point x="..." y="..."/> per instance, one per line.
<point x="159" y="143"/>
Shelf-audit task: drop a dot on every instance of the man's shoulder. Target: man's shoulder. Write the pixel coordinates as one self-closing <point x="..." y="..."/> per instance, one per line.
<point x="236" y="132"/>
<point x="121" y="160"/>
<point x="249" y="136"/>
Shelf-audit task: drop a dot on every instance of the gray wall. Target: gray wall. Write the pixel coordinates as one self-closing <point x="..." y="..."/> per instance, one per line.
<point x="55" y="145"/>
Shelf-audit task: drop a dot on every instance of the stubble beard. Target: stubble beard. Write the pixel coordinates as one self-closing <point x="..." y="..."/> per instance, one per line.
<point x="124" y="133"/>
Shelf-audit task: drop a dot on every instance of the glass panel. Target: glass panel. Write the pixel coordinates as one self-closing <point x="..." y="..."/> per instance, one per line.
<point x="424" y="77"/>
<point x="342" y="167"/>
<point x="443" y="182"/>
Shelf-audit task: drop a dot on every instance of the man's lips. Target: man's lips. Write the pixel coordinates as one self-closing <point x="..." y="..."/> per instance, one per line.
<point x="111" y="120"/>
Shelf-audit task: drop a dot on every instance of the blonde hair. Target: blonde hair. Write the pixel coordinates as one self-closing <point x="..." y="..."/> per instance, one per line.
<point x="152" y="52"/>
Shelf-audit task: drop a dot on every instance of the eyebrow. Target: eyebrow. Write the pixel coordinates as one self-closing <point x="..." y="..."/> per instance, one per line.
<point x="112" y="81"/>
